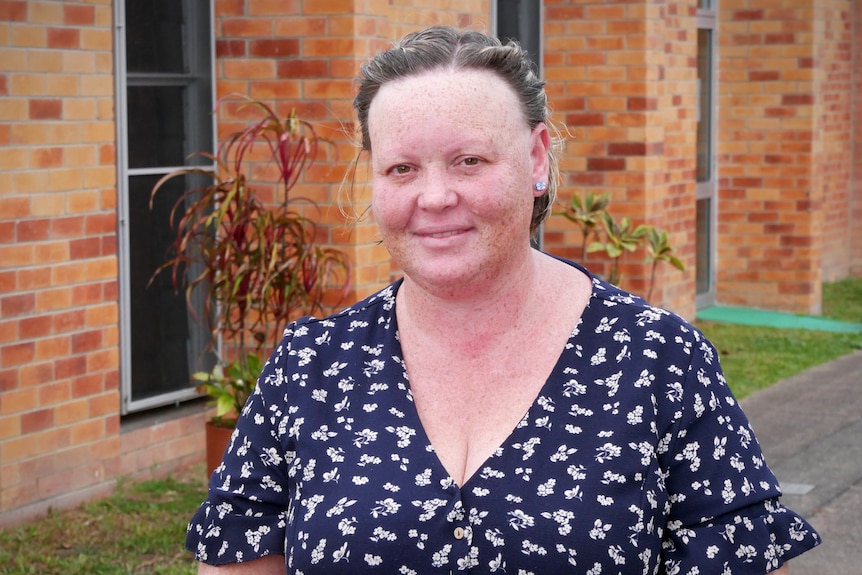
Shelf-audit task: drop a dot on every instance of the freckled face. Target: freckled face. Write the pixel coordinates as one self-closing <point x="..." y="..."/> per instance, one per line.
<point x="454" y="163"/>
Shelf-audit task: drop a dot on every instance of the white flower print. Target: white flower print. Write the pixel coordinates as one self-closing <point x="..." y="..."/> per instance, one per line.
<point x="607" y="452"/>
<point x="599" y="357"/>
<point x="253" y="537"/>
<point x="599" y="530"/>
<point x="633" y="430"/>
<point x="518" y="520"/>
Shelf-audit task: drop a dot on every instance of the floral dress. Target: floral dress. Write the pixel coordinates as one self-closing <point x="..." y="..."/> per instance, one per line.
<point x="633" y="458"/>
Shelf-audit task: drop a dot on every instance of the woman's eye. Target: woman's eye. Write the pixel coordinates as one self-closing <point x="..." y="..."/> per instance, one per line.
<point x="401" y="170"/>
<point x="471" y="161"/>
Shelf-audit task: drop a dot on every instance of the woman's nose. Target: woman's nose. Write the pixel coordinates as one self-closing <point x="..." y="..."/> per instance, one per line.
<point x="438" y="192"/>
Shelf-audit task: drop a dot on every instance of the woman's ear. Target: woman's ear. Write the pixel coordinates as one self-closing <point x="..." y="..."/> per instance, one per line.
<point x="540" y="147"/>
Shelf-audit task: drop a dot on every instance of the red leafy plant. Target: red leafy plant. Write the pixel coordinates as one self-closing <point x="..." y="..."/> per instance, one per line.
<point x="258" y="266"/>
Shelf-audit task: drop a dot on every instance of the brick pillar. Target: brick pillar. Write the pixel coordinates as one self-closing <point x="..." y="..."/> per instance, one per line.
<point x="834" y="126"/>
<point x="622" y="79"/>
<point x="785" y="159"/>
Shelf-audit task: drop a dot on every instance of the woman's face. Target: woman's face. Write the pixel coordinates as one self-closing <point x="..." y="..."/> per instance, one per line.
<point x="454" y="163"/>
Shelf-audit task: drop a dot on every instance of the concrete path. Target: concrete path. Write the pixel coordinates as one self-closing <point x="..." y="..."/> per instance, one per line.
<point x="810" y="428"/>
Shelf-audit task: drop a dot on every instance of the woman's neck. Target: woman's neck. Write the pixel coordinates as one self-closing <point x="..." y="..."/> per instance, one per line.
<point x="476" y="312"/>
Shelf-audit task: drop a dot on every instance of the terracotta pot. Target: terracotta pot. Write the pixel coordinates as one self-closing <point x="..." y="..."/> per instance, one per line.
<point x="217" y="438"/>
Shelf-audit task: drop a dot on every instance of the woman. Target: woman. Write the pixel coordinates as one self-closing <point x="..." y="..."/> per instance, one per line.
<point x="498" y="409"/>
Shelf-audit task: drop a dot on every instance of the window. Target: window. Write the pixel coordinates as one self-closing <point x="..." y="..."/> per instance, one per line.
<point x="521" y="20"/>
<point x="164" y="103"/>
<point x="705" y="165"/>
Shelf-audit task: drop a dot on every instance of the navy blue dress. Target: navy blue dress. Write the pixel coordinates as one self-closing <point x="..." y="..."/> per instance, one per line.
<point x="634" y="458"/>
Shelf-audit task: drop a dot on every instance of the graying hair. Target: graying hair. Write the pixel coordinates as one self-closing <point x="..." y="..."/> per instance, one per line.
<point x="441" y="47"/>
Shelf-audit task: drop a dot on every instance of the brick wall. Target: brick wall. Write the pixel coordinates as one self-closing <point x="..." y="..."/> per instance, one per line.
<point x="61" y="442"/>
<point x="59" y="419"/>
<point x="622" y="80"/>
<point x="784" y="153"/>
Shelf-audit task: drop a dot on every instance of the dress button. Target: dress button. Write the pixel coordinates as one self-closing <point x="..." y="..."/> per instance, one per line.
<point x="459" y="533"/>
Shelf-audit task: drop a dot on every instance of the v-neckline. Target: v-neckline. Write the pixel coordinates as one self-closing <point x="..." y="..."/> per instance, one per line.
<point x="507" y="443"/>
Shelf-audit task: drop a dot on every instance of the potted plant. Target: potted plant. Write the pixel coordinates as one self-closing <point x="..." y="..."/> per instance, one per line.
<point x="257" y="266"/>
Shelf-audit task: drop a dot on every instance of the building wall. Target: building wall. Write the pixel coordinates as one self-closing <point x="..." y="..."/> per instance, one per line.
<point x="833" y="92"/>
<point x="622" y="81"/>
<point x="61" y="438"/>
<point x="785" y="158"/>
<point x="59" y="388"/>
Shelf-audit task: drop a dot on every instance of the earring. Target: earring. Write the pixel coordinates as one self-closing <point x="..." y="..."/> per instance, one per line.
<point x="540" y="186"/>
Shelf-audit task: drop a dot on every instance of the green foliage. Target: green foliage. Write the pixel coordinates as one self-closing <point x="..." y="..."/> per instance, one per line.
<point x="586" y="213"/>
<point x="615" y="238"/>
<point x="139" y="529"/>
<point x="258" y="266"/>
<point x="229" y="386"/>
<point x="620" y="237"/>
<point x="659" y="250"/>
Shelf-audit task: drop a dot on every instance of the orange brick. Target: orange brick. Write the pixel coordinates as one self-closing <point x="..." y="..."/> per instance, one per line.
<point x="53" y="299"/>
<point x="51" y="252"/>
<point x="63" y="85"/>
<point x="51" y="348"/>
<point x="13" y="159"/>
<point x="101" y="269"/>
<point x="102" y="315"/>
<point x="104" y="404"/>
<point x="273" y="7"/>
<point x="246" y="27"/>
<point x="78" y="62"/>
<point x="249" y="69"/>
<point x="49" y="61"/>
<point x="78" y="156"/>
<point x="97" y="85"/>
<point x="87" y="431"/>
<point x="78" y="15"/>
<point x="308" y="26"/>
<point x="47" y="157"/>
<point x="81" y="201"/>
<point x="97" y="39"/>
<point x="103" y="360"/>
<point x="10" y="426"/>
<point x="105" y="109"/>
<point x="100" y="177"/>
<point x="54" y="393"/>
<point x="29" y="36"/>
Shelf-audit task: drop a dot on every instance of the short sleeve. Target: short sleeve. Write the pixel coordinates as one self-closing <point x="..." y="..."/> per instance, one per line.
<point x="724" y="514"/>
<point x="244" y="516"/>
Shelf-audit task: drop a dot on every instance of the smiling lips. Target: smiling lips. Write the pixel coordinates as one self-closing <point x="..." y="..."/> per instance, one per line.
<point x="439" y="235"/>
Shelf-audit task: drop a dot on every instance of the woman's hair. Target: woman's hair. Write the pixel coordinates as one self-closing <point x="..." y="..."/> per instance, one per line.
<point x="441" y="47"/>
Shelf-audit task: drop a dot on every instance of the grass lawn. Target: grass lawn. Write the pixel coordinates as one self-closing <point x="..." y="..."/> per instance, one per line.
<point x="141" y="528"/>
<point x="755" y="357"/>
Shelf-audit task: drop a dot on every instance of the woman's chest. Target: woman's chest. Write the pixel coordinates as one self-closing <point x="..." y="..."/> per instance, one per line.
<point x="575" y="481"/>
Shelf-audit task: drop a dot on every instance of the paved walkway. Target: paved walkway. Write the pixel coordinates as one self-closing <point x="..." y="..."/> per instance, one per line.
<point x="810" y="427"/>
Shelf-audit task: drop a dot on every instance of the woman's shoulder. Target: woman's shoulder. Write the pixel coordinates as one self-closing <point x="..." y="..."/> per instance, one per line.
<point x="364" y="320"/>
<point x="611" y="305"/>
